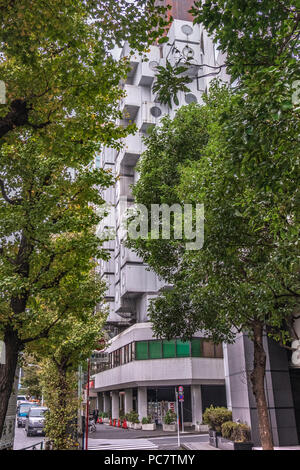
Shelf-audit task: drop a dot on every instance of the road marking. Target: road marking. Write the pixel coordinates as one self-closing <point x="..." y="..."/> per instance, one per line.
<point x="121" y="444"/>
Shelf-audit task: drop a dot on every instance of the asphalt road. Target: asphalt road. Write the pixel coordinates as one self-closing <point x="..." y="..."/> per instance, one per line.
<point x="21" y="439"/>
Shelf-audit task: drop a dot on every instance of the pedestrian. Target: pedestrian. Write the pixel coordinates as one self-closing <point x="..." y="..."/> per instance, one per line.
<point x="95" y="415"/>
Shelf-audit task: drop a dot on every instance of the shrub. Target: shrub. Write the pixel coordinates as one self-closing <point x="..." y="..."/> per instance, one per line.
<point x="215" y="417"/>
<point x="132" y="417"/>
<point x="170" y="417"/>
<point x="104" y="414"/>
<point x="237" y="432"/>
<point x="147" y="420"/>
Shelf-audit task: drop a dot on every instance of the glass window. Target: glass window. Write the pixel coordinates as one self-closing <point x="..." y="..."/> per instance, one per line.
<point x="196" y="347"/>
<point x="141" y="350"/>
<point x="155" y="350"/>
<point x="182" y="348"/>
<point x="169" y="348"/>
<point x="208" y="348"/>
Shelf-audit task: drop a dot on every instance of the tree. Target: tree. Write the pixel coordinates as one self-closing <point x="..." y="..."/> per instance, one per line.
<point x="31" y="379"/>
<point x="68" y="344"/>
<point x="62" y="89"/>
<point x="246" y="276"/>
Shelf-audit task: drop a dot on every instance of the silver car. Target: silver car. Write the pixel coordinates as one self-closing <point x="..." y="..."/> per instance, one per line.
<point x="35" y="421"/>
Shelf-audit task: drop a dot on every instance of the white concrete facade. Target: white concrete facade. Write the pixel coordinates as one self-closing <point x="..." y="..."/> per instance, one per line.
<point x="130" y="285"/>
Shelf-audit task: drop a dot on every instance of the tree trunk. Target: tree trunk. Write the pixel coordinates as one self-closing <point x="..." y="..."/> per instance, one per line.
<point x="7" y="372"/>
<point x="258" y="388"/>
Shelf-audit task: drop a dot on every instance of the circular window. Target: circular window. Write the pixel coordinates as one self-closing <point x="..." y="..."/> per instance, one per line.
<point x="187" y="29"/>
<point x="190" y="98"/>
<point x="155" y="111"/>
<point x="188" y="52"/>
<point x="153" y="65"/>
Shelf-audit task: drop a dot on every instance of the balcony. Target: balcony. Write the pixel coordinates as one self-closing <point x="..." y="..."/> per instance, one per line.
<point x="149" y="115"/>
<point x="131" y="103"/>
<point x="130" y="153"/>
<point x="135" y="279"/>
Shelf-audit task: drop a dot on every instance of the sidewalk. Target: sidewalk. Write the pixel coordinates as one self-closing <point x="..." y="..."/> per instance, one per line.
<point x="111" y="432"/>
<point x="197" y="446"/>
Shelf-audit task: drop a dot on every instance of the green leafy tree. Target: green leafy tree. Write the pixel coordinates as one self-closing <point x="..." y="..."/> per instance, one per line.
<point x="69" y="343"/>
<point x="31" y="380"/>
<point x="246" y="276"/>
<point x="62" y="94"/>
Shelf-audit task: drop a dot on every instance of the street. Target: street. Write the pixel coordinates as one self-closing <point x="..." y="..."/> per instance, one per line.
<point x="22" y="441"/>
<point x="110" y="438"/>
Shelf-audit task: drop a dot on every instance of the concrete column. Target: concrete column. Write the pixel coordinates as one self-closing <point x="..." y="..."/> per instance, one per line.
<point x="142" y="402"/>
<point x="99" y="404"/>
<point x="128" y="402"/>
<point x="106" y="402"/>
<point x="115" y="408"/>
<point x="196" y="397"/>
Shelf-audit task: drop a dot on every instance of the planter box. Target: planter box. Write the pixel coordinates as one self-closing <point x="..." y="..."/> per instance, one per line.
<point x="136" y="426"/>
<point x="129" y="424"/>
<point x="226" y="444"/>
<point x="201" y="428"/>
<point x="105" y="420"/>
<point x="213" y="438"/>
<point x="169" y="427"/>
<point x="149" y="427"/>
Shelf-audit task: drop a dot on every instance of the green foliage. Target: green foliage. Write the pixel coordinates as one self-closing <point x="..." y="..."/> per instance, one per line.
<point x="237" y="432"/>
<point x="216" y="416"/>
<point x="62" y="402"/>
<point x="252" y="34"/>
<point x="169" y="81"/>
<point x="31" y="380"/>
<point x="147" y="420"/>
<point x="132" y="417"/>
<point x="170" y="417"/>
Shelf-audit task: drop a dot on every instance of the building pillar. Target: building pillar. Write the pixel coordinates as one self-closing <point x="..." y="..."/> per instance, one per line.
<point x="196" y="397"/>
<point x="115" y="405"/>
<point x="100" y="405"/>
<point x="106" y="403"/>
<point x="142" y="402"/>
<point x="128" y="401"/>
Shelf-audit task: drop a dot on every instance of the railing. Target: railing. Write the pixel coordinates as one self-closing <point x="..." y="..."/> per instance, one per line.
<point x="34" y="446"/>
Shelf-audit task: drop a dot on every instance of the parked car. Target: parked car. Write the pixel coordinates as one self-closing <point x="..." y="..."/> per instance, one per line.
<point x="22" y="412"/>
<point x="21" y="399"/>
<point x="35" y="421"/>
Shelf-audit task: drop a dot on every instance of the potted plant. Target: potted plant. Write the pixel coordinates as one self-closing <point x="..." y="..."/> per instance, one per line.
<point x="134" y="420"/>
<point x="169" y="423"/>
<point x="104" y="415"/>
<point x="235" y="436"/>
<point x="214" y="417"/>
<point x="147" y="424"/>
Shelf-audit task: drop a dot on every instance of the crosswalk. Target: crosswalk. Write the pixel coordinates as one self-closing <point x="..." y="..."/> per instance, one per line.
<point x="121" y="444"/>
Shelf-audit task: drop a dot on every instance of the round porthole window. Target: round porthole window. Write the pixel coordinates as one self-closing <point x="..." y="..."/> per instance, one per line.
<point x="190" y="98"/>
<point x="187" y="29"/>
<point x="153" y="65"/>
<point x="188" y="52"/>
<point x="155" y="111"/>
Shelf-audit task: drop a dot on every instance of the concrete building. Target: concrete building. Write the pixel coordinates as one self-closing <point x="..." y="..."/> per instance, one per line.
<point x="141" y="372"/>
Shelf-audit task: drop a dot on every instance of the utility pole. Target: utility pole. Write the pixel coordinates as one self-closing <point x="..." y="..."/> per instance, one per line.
<point x="87" y="407"/>
<point x="177" y="413"/>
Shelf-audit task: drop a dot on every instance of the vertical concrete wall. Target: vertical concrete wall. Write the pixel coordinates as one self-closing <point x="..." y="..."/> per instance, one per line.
<point x="196" y="398"/>
<point x="142" y="402"/>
